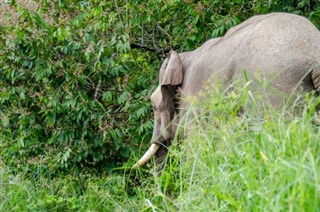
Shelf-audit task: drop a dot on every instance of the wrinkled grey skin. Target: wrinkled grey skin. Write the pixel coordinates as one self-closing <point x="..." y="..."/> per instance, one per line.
<point x="284" y="48"/>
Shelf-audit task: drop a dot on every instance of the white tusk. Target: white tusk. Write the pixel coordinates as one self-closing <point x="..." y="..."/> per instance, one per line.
<point x="147" y="156"/>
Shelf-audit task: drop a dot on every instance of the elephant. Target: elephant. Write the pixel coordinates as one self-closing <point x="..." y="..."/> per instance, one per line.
<point x="282" y="47"/>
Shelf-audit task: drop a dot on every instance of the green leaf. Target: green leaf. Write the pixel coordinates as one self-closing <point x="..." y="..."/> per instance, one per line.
<point x="107" y="96"/>
<point x="39" y="22"/>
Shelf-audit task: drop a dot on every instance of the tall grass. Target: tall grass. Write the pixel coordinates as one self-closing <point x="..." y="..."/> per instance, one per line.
<point x="65" y="193"/>
<point x="264" y="160"/>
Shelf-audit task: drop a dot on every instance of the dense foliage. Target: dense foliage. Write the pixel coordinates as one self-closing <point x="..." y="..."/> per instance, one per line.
<point x="75" y="76"/>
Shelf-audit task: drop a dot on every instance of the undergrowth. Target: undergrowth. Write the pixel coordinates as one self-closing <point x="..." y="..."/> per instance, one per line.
<point x="259" y="161"/>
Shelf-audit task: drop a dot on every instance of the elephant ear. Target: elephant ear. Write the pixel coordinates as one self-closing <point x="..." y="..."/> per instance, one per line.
<point x="173" y="71"/>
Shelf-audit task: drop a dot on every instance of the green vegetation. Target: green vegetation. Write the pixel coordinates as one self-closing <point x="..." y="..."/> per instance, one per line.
<point x="267" y="162"/>
<point x="75" y="82"/>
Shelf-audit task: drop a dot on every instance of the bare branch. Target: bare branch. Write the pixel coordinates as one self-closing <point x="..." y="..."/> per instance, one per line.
<point x="153" y="41"/>
<point x="164" y="32"/>
<point x="142" y="35"/>
<point x="98" y="90"/>
<point x="118" y="10"/>
<point x="139" y="46"/>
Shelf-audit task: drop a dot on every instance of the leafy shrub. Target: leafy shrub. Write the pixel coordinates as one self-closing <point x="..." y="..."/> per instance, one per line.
<point x="71" y="92"/>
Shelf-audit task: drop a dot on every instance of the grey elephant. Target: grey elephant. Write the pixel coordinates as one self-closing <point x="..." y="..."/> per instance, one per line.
<point x="282" y="47"/>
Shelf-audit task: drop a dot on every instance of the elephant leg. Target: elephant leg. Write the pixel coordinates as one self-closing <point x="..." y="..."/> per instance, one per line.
<point x="315" y="77"/>
<point x="240" y="112"/>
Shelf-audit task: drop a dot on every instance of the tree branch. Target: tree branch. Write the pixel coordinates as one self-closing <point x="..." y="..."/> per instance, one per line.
<point x="164" y="32"/>
<point x="118" y="10"/>
<point x="140" y="46"/>
<point x="98" y="90"/>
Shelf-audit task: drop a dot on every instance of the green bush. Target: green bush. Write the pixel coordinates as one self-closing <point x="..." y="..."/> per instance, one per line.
<point x="72" y="91"/>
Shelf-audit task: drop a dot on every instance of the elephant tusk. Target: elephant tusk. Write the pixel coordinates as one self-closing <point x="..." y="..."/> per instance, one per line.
<point x="147" y="156"/>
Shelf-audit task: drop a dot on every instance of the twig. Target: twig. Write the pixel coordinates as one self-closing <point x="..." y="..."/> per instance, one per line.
<point x="142" y="35"/>
<point x="153" y="41"/>
<point x="98" y="90"/>
<point x="139" y="46"/>
<point x="164" y="32"/>
<point x="118" y="10"/>
<point x="127" y="14"/>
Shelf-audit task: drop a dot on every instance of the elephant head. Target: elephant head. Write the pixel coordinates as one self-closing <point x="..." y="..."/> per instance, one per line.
<point x="163" y="103"/>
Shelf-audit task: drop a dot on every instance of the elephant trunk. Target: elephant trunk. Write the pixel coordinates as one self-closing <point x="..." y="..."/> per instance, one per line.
<point x="147" y="156"/>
